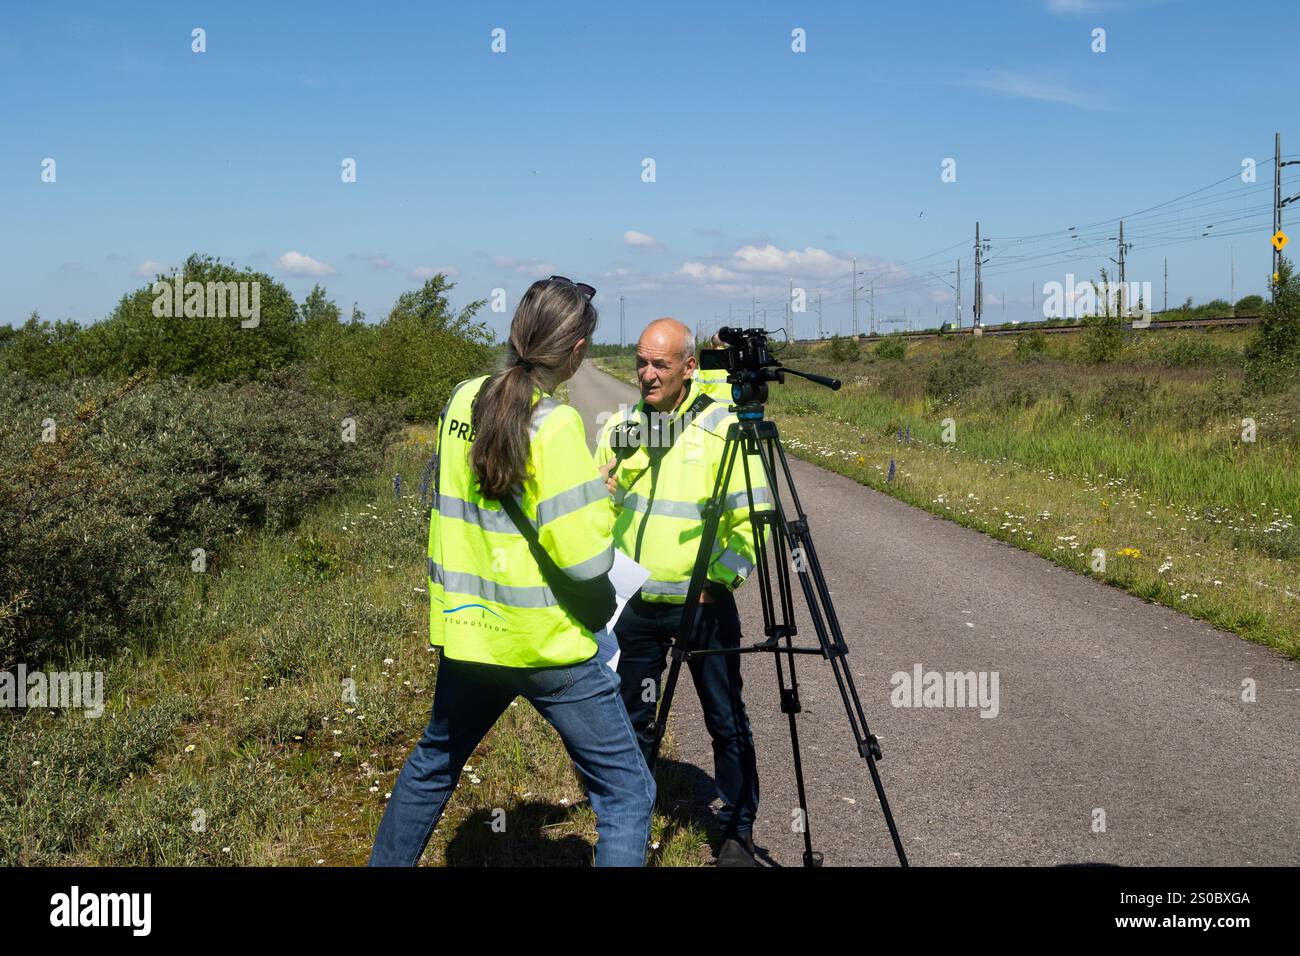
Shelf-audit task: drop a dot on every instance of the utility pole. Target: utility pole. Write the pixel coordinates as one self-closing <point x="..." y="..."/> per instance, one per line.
<point x="1279" y="202"/>
<point x="819" y="316"/>
<point x="979" y="280"/>
<point x="873" y="306"/>
<point x="958" y="309"/>
<point x="1122" y="288"/>
<point x="1004" y="306"/>
<point x="789" y="311"/>
<point x="622" y="334"/>
<point x="854" y="282"/>
<point x="1277" y="206"/>
<point x="1166" y="308"/>
<point x="1232" y="280"/>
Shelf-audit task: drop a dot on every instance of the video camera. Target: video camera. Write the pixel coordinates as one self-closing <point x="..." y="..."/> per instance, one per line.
<point x="750" y="365"/>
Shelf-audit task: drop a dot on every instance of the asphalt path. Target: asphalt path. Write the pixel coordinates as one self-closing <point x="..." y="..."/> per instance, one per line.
<point x="1121" y="735"/>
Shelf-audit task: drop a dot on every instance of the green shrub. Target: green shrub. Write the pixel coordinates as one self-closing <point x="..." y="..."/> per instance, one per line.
<point x="1030" y="344"/>
<point x="892" y="347"/>
<point x="845" y="349"/>
<point x="1249" y="305"/>
<point x="97" y="525"/>
<point x="415" y="356"/>
<point x="60" y="767"/>
<point x="1273" y="354"/>
<point x="957" y="371"/>
<point x="1103" y="338"/>
<point x="1123" y="400"/>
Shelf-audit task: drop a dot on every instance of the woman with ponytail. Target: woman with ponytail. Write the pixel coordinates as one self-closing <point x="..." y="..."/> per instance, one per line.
<point x="520" y="548"/>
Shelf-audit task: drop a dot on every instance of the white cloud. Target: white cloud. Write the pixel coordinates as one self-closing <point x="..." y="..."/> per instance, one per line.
<point x="811" y="262"/>
<point x="297" y="264"/>
<point x="1025" y="87"/>
<point x="148" y="269"/>
<point x="428" y="272"/>
<point x="768" y="264"/>
<point x="702" y="271"/>
<point x="639" y="240"/>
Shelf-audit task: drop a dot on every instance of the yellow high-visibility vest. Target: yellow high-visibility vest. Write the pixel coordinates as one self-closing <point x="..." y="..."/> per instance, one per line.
<point x="489" y="602"/>
<point x="659" y="506"/>
<point x="713" y="382"/>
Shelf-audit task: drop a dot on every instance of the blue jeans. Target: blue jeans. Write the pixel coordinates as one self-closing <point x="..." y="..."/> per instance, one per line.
<point x="580" y="701"/>
<point x="643" y="632"/>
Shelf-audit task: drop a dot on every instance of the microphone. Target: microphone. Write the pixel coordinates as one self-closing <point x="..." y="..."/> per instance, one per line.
<point x="624" y="441"/>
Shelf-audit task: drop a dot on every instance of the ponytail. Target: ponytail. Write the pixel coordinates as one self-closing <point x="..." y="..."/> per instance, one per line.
<point x="551" y="318"/>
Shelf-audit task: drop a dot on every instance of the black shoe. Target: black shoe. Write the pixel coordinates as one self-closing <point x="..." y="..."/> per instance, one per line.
<point x="736" y="852"/>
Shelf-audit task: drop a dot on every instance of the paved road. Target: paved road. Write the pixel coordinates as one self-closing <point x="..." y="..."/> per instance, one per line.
<point x="1105" y="703"/>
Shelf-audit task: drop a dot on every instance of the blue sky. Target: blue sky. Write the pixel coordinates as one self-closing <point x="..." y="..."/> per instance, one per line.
<point x="770" y="166"/>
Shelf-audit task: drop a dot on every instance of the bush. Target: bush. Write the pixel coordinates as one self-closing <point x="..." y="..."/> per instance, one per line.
<point x="59" y="768"/>
<point x="1030" y="344"/>
<point x="1273" y="354"/>
<point x="1103" y="338"/>
<point x="415" y="356"/>
<point x="92" y="522"/>
<point x="845" y="349"/>
<point x="132" y="338"/>
<point x="892" y="347"/>
<point x="1249" y="305"/>
<point x="1123" y="400"/>
<point x="956" y="372"/>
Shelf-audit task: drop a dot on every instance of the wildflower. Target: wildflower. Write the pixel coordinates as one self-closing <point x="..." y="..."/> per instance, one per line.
<point x="189" y="749"/>
<point x="1129" y="553"/>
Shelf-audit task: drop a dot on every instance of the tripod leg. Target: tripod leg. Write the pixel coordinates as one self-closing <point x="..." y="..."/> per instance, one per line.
<point x="818" y="598"/>
<point x="681" y="645"/>
<point x="789" y="696"/>
<point x="790" y="706"/>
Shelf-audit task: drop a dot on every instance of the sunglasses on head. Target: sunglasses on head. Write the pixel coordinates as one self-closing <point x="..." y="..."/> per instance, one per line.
<point x="587" y="290"/>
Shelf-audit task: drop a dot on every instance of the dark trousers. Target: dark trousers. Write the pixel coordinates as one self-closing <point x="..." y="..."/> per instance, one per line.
<point x="643" y="631"/>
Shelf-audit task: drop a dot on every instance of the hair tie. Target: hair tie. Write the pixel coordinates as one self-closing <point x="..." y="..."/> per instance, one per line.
<point x="525" y="364"/>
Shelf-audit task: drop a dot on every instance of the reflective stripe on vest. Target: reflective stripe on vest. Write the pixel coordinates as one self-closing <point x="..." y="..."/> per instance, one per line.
<point x="660" y="509"/>
<point x="489" y="601"/>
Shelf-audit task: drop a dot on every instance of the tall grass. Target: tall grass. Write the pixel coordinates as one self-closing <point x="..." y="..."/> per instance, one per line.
<point x="265" y="719"/>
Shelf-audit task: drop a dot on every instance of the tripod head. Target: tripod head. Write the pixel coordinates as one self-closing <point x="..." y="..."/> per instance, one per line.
<point x="750" y="365"/>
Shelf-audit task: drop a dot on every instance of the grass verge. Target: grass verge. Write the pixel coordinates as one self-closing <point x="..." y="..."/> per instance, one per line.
<point x="265" y="721"/>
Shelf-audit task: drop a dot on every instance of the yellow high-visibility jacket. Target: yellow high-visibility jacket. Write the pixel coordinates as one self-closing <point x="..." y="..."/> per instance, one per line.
<point x="489" y="601"/>
<point x="713" y="382"/>
<point x="659" y="505"/>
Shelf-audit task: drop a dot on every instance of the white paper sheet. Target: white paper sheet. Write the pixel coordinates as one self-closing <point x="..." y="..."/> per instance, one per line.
<point x="627" y="577"/>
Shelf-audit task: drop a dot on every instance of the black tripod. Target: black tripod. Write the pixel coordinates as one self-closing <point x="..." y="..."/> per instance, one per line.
<point x="752" y="437"/>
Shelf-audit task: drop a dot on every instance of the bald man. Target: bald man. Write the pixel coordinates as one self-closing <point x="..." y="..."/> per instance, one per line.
<point x="660" y="490"/>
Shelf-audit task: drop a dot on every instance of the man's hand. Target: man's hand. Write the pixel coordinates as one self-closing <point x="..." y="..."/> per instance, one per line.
<point x="706" y="598"/>
<point x="611" y="483"/>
